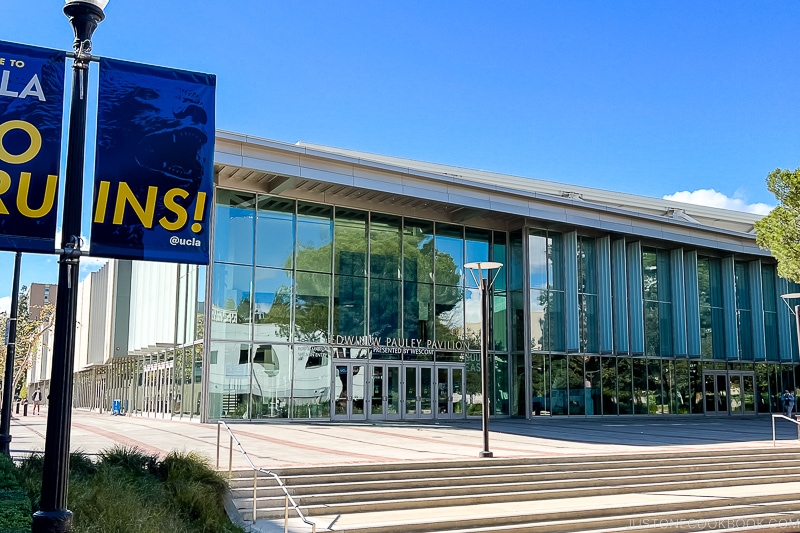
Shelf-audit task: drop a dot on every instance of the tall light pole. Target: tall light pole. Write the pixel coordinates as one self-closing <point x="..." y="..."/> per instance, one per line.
<point x="795" y="311"/>
<point x="485" y="285"/>
<point x="11" y="350"/>
<point x="53" y="516"/>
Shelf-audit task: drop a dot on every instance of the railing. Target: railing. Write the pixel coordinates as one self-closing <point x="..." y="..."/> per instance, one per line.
<point x="287" y="499"/>
<point x="792" y="420"/>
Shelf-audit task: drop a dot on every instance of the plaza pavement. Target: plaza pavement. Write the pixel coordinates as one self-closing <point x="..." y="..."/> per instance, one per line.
<point x="275" y="444"/>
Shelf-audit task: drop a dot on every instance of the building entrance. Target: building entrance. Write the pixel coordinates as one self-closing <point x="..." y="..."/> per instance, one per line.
<point x="729" y="392"/>
<point x="382" y="390"/>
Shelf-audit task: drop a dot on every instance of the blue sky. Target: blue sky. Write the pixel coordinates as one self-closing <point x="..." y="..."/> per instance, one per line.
<point x="651" y="98"/>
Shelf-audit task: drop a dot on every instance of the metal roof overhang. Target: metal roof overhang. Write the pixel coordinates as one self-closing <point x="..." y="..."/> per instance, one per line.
<point x="259" y="165"/>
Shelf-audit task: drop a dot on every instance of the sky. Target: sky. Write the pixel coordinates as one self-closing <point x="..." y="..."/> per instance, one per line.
<point x="695" y="101"/>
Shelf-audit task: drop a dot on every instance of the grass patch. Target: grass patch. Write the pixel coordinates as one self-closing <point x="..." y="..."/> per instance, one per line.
<point x="129" y="491"/>
<point x="15" y="507"/>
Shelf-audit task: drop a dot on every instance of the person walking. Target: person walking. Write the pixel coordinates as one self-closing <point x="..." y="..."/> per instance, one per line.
<point x="788" y="403"/>
<point x="37" y="401"/>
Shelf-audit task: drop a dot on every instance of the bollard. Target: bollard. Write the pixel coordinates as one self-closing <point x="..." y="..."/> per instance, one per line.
<point x="18" y="407"/>
<point x="797" y="417"/>
<point x="25" y="409"/>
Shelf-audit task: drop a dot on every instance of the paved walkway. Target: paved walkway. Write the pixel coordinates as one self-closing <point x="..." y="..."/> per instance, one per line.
<point x="282" y="443"/>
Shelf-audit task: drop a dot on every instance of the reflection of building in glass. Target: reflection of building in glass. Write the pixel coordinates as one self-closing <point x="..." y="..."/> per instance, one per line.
<point x="337" y="291"/>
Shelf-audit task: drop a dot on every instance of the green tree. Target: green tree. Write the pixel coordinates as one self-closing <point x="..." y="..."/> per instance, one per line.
<point x="779" y="231"/>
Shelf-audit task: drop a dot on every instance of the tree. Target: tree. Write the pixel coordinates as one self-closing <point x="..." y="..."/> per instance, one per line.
<point x="779" y="231"/>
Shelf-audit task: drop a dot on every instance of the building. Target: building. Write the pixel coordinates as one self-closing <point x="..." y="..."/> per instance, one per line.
<point x="337" y="291"/>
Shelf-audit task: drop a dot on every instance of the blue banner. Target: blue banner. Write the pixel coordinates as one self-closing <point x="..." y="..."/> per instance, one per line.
<point x="154" y="166"/>
<point x="31" y="108"/>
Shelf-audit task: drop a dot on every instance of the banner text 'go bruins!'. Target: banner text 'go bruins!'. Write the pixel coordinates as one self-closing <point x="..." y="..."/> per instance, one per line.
<point x="154" y="166"/>
<point x="31" y="109"/>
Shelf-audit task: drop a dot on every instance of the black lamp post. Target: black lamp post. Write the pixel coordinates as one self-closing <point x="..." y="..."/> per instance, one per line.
<point x="53" y="516"/>
<point x="8" y="380"/>
<point x="485" y="285"/>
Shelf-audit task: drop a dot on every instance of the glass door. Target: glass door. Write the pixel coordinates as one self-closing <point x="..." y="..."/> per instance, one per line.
<point x="720" y="399"/>
<point x="384" y="391"/>
<point x="348" y="391"/>
<point x="450" y="392"/>
<point x="418" y="392"/>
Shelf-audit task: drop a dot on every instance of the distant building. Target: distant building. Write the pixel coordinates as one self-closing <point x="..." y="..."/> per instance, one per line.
<point x="41" y="295"/>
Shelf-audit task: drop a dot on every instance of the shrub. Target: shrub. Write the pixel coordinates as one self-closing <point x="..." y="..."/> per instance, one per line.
<point x="15" y="507"/>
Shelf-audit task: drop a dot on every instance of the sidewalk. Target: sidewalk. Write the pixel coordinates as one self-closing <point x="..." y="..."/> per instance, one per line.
<point x="276" y="444"/>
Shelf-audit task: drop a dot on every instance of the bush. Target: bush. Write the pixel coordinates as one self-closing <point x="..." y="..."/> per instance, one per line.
<point x="15" y="507"/>
<point x="129" y="491"/>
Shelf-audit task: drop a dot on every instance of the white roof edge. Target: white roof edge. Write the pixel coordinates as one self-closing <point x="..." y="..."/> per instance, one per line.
<point x="521" y="184"/>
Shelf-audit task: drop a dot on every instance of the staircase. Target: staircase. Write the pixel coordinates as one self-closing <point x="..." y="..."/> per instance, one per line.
<point x="742" y="490"/>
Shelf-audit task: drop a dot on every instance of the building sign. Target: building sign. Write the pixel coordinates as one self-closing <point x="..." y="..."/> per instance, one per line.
<point x="31" y="108"/>
<point x="392" y="346"/>
<point x="154" y="167"/>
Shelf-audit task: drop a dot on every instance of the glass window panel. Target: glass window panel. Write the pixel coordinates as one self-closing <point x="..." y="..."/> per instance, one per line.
<point x="665" y="329"/>
<point x="593" y="386"/>
<point x="275" y="232"/>
<point x="588" y="323"/>
<point x="715" y="281"/>
<point x="768" y="287"/>
<point x="200" y="303"/>
<point x="771" y="336"/>
<point x="384" y="246"/>
<point x="499" y="255"/>
<point x="499" y="339"/>
<point x="272" y="306"/>
<point x="537" y="259"/>
<point x="587" y="266"/>
<point x="474" y="397"/>
<point x="477" y="249"/>
<point x="235" y="222"/>
<point x="706" y="336"/>
<point x="762" y="387"/>
<point x="500" y="389"/>
<point x="516" y="258"/>
<point x="555" y="261"/>
<point x="230" y="302"/>
<point x="649" y="276"/>
<point x="703" y="281"/>
<point x="609" y="380"/>
<point x="314" y="237"/>
<point x="663" y="273"/>
<point x="555" y="319"/>
<point x="558" y="387"/>
<point x="640" y="404"/>
<point x="449" y="254"/>
<point x="652" y="339"/>
<point x="742" y="285"/>
<point x="577" y="386"/>
<point x="349" y="305"/>
<point x="539" y="320"/>
<point x="655" y="381"/>
<point x="384" y="308"/>
<point x="418" y="251"/>
<point x="311" y="382"/>
<point x="418" y="311"/>
<point x="682" y="387"/>
<point x="229" y="380"/>
<point x="540" y="385"/>
<point x="518" y="323"/>
<point x="718" y="332"/>
<point x="272" y="380"/>
<point x="350" y="242"/>
<point x="312" y="305"/>
<point x="745" y="325"/>
<point x="473" y="317"/>
<point x="449" y="313"/>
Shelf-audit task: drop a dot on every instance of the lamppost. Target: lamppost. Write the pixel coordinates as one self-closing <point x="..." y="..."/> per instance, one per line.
<point x="53" y="516"/>
<point x="796" y="312"/>
<point x="8" y="380"/>
<point x="485" y="285"/>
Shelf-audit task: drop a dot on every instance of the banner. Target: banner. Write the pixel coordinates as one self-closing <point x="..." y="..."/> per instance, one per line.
<point x="31" y="107"/>
<point x="154" y="166"/>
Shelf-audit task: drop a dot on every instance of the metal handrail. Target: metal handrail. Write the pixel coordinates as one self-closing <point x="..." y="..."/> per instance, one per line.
<point x="288" y="498"/>
<point x="774" y="416"/>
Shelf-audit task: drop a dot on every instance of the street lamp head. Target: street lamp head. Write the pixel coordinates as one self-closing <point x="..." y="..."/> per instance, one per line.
<point x="479" y="267"/>
<point x="791" y="296"/>
<point x="483" y="265"/>
<point x="84" y="15"/>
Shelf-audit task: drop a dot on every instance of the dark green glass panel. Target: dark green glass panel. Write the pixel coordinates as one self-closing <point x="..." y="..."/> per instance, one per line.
<point x="558" y="391"/>
<point x="742" y="284"/>
<point x="715" y="281"/>
<point x="588" y="323"/>
<point x="768" y="287"/>
<point x="540" y="384"/>
<point x="314" y="237"/>
<point x="350" y="242"/>
<point x="696" y="385"/>
<point x="745" y="330"/>
<point x="706" y="333"/>
<point x="349" y="305"/>
<point x="640" y="405"/>
<point x="518" y="322"/>
<point x="625" y="385"/>
<point x="577" y="385"/>
<point x="449" y="261"/>
<point x="501" y="384"/>
<point x="718" y="332"/>
<point x="499" y="340"/>
<point x="477" y="249"/>
<point x="555" y="320"/>
<point x="592" y="386"/>
<point x="516" y="258"/>
<point x="771" y="336"/>
<point x="655" y="394"/>
<point x="652" y="336"/>
<point x="665" y="329"/>
<point x="587" y="266"/>
<point x="418" y="311"/>
<point x="312" y="306"/>
<point x="663" y="273"/>
<point x="609" y="380"/>
<point x="384" y="246"/>
<point x="682" y="387"/>
<point x="649" y="275"/>
<point x="555" y="261"/>
<point x="418" y="251"/>
<point x="500" y="255"/>
<point x="384" y="308"/>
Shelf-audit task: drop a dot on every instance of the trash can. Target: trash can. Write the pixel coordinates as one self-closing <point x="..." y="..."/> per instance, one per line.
<point x="116" y="407"/>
